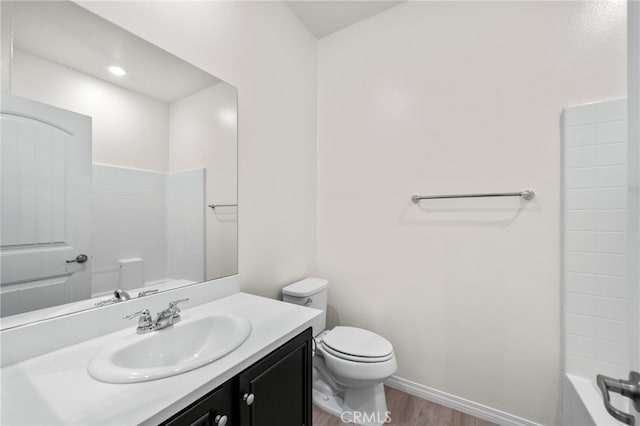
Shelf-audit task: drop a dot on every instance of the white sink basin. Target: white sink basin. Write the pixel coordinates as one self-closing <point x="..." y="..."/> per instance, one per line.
<point x="193" y="342"/>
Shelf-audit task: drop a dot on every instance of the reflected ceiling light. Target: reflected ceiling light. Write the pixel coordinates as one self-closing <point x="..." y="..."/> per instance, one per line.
<point x="117" y="70"/>
<point x="229" y="117"/>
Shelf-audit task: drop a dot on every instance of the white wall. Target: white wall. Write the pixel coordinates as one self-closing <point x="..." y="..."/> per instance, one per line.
<point x="266" y="53"/>
<point x="203" y="134"/>
<point x="128" y="129"/>
<point x="448" y="97"/>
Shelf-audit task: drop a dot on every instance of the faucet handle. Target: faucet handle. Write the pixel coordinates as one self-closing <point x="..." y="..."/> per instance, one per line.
<point x="146" y="292"/>
<point x="174" y="304"/>
<point x="144" y="315"/>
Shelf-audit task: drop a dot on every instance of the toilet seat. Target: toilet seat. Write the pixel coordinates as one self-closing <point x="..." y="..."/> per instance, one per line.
<point x="356" y="344"/>
<point x="341" y="355"/>
<point x="357" y="373"/>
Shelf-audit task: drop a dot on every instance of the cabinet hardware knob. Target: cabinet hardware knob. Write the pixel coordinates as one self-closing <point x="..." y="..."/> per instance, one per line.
<point x="220" y="420"/>
<point x="248" y="398"/>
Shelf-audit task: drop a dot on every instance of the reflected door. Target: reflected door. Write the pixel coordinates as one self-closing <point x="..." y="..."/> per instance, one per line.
<point x="45" y="205"/>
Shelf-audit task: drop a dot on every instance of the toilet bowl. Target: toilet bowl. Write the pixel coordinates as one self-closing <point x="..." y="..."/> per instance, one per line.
<point x="350" y="364"/>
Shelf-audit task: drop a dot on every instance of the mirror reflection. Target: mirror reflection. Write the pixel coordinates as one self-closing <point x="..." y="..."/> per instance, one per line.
<point x="119" y="166"/>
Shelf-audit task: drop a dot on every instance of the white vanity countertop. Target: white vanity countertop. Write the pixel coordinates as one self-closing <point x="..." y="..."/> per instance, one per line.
<point x="55" y="388"/>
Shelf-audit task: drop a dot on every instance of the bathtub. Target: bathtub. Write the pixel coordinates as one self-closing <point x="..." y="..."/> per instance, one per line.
<point x="583" y="404"/>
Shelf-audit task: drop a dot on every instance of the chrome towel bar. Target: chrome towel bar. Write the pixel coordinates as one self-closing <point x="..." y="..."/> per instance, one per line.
<point x="213" y="206"/>
<point x="527" y="195"/>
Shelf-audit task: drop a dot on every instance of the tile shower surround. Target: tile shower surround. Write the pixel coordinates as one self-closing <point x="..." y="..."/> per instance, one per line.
<point x="595" y="239"/>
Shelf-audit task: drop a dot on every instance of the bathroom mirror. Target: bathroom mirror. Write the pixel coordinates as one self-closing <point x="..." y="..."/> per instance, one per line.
<point x="119" y="166"/>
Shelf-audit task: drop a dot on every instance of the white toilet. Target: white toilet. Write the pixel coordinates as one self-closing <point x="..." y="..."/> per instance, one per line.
<point x="349" y="363"/>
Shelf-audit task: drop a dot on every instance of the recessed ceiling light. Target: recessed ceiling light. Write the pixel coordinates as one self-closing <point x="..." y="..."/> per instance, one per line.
<point x="117" y="70"/>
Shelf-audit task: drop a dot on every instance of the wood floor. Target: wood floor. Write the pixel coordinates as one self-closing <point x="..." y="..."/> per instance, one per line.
<point x="408" y="410"/>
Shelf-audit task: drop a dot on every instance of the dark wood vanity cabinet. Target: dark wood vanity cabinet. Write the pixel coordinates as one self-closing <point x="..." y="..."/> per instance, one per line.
<point x="275" y="391"/>
<point x="215" y="408"/>
<point x="279" y="386"/>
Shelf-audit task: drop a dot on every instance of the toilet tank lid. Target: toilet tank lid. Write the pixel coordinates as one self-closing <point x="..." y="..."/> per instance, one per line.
<point x="305" y="287"/>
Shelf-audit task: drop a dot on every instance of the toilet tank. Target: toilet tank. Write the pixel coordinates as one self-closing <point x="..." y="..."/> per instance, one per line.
<point x="310" y="292"/>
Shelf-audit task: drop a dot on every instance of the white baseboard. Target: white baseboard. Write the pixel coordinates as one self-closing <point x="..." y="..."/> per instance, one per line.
<point x="456" y="403"/>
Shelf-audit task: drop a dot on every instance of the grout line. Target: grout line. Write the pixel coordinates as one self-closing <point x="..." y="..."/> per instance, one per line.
<point x="606" y="253"/>
<point x="591" y="274"/>
<point x="624" y="299"/>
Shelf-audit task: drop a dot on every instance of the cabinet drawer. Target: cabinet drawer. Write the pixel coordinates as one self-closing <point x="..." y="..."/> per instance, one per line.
<point x="207" y="410"/>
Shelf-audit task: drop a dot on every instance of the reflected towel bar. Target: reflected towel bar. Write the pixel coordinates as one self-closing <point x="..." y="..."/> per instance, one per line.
<point x="527" y="195"/>
<point x="213" y="206"/>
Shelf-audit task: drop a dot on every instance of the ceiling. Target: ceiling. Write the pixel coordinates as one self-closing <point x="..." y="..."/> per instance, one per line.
<point x="326" y="17"/>
<point x="68" y="34"/>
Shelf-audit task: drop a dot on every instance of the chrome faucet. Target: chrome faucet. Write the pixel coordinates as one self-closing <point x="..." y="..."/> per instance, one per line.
<point x="121" y="295"/>
<point x="118" y="296"/>
<point x="145" y="323"/>
<point x="164" y="319"/>
<point x="169" y="316"/>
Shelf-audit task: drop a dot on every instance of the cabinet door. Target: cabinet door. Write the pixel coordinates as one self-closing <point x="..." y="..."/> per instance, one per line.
<point x="214" y="409"/>
<point x="277" y="389"/>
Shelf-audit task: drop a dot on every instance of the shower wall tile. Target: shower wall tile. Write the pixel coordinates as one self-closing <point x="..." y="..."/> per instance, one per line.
<point x="611" y="242"/>
<point x="610" y="264"/>
<point x="581" y="346"/>
<point x="156" y="216"/>
<point x="580" y="241"/>
<point x="581" y="199"/>
<point x="610" y="287"/>
<point x="611" y="308"/>
<point x="616" y="331"/>
<point x="580" y="262"/>
<point x="580" y="220"/>
<point x="580" y="304"/>
<point x="581" y="135"/>
<point x="580" y="115"/>
<point x="186" y="225"/>
<point x="615" y="131"/>
<point x="608" y="155"/>
<point x="608" y="111"/>
<point x="581" y="157"/>
<point x="580" y="283"/>
<point x="595" y="238"/>
<point x="581" y="325"/>
<point x="605" y="220"/>
<point x="610" y="198"/>
<point x="580" y="366"/>
<point x="581" y="178"/>
<point x="609" y="176"/>
<point x="612" y="353"/>
<point x="128" y="221"/>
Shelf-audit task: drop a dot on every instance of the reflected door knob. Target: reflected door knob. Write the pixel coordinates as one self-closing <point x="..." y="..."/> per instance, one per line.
<point x="248" y="398"/>
<point x="220" y="420"/>
<point x="81" y="258"/>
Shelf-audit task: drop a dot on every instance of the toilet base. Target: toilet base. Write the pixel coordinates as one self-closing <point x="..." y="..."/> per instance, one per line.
<point x="365" y="406"/>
